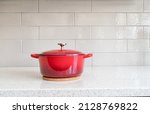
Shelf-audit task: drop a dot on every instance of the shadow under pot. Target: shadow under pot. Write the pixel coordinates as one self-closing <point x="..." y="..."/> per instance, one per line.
<point x="61" y="64"/>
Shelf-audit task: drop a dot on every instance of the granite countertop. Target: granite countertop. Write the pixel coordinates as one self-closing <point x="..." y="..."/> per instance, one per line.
<point x="95" y="81"/>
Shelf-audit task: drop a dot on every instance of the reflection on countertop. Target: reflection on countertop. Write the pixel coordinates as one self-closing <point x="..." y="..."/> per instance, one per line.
<point x="95" y="81"/>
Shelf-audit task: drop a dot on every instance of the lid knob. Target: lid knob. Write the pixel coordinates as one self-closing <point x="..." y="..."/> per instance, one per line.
<point x="62" y="45"/>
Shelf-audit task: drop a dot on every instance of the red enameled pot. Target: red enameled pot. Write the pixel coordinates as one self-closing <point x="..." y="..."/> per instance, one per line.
<point x="60" y="64"/>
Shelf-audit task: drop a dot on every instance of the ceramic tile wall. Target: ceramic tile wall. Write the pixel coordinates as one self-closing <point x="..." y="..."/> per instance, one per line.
<point x="117" y="32"/>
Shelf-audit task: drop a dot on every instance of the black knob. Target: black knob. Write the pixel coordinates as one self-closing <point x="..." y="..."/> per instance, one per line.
<point x="62" y="45"/>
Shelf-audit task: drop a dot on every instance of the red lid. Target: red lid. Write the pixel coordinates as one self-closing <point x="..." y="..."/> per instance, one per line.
<point x="61" y="52"/>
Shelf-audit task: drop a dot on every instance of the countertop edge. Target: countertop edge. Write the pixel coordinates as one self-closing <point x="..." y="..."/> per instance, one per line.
<point x="76" y="93"/>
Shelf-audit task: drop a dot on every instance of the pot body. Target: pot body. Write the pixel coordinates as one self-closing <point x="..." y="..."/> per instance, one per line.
<point x="61" y="66"/>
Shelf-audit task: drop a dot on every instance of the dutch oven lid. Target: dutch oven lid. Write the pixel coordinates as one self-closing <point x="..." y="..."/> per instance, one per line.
<point x="61" y="51"/>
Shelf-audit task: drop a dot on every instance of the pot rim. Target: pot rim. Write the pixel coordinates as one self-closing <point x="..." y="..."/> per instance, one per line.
<point x="62" y="54"/>
<point x="84" y="55"/>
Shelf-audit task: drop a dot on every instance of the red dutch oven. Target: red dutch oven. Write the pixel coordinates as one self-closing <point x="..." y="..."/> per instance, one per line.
<point x="61" y="64"/>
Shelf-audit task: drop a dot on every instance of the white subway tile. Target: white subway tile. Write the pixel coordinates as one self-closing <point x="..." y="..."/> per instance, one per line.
<point x="17" y="60"/>
<point x="117" y="5"/>
<point x="37" y="19"/>
<point x="146" y="58"/>
<point x="117" y="32"/>
<point x="39" y="46"/>
<point x="138" y="45"/>
<point x="29" y="32"/>
<point x="18" y="33"/>
<point x="102" y="45"/>
<point x="130" y="33"/>
<point x="9" y="47"/>
<point x="65" y="6"/>
<point x="64" y="33"/>
<point x="100" y="19"/>
<point x="9" y="60"/>
<point x="26" y="60"/>
<point x="34" y="46"/>
<point x="18" y="5"/>
<point x="9" y="19"/>
<point x="88" y="62"/>
<point x="118" y="59"/>
<point x="146" y="5"/>
<point x="138" y="18"/>
<point x="104" y="33"/>
<point x="147" y="32"/>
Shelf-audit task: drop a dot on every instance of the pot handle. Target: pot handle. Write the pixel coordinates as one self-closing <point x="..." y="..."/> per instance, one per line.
<point x="88" y="55"/>
<point x="35" y="56"/>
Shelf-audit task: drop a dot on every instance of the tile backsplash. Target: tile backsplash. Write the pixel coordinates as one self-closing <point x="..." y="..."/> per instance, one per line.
<point x="117" y="32"/>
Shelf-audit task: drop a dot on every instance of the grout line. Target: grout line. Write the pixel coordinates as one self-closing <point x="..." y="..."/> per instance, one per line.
<point x="76" y="25"/>
<point x="91" y="25"/>
<point x="39" y="33"/>
<point x="127" y="45"/>
<point x="135" y="52"/>
<point x="21" y="46"/>
<point x="21" y="19"/>
<point x="91" y="32"/>
<point x="126" y="19"/>
<point x="38" y="6"/>
<point x="143" y="30"/>
<point x="91" y="6"/>
<point x="83" y="39"/>
<point x="143" y="58"/>
<point x="74" y="19"/>
<point x="92" y="62"/>
<point x="75" y="12"/>
<point x="75" y="44"/>
<point x="148" y="39"/>
<point x="143" y="6"/>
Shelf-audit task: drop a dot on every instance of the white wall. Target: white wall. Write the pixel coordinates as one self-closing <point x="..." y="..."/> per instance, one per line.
<point x="115" y="31"/>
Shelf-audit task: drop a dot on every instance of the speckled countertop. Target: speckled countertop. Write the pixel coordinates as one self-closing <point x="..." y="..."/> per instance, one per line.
<point x="95" y="81"/>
